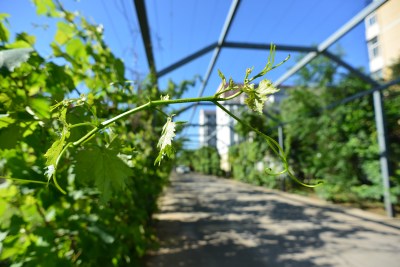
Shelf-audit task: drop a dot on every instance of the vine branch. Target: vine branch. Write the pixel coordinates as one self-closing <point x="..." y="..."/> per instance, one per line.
<point x="256" y="96"/>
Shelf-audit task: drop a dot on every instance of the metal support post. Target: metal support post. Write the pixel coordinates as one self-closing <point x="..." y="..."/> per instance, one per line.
<point x="145" y="31"/>
<point x="280" y="142"/>
<point x="280" y="135"/>
<point x="331" y="40"/>
<point x="383" y="151"/>
<point x="227" y="25"/>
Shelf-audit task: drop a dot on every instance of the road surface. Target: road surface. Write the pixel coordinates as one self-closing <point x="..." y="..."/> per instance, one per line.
<point x="207" y="221"/>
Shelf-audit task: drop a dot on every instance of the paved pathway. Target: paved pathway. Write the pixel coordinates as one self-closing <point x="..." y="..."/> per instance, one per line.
<point x="210" y="222"/>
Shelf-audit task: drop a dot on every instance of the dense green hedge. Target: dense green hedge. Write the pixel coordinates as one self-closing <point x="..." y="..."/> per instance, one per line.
<point x="97" y="222"/>
<point x="336" y="145"/>
<point x="205" y="160"/>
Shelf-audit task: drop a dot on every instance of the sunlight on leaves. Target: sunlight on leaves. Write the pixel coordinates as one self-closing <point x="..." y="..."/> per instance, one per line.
<point x="49" y="172"/>
<point x="165" y="142"/>
<point x="12" y="58"/>
<point x="102" y="167"/>
<point x="257" y="97"/>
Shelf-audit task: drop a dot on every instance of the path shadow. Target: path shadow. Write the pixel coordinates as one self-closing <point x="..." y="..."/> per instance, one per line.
<point x="206" y="222"/>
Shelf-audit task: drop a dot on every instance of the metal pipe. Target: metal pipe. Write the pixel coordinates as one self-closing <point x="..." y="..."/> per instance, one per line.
<point x="228" y="22"/>
<point x="259" y="46"/>
<point x="384" y="152"/>
<point x="187" y="59"/>
<point x="331" y="39"/>
<point x="144" y="29"/>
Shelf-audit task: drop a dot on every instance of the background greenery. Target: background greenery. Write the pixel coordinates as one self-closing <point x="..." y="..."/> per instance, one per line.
<point x="337" y="145"/>
<point x="104" y="219"/>
<point x="205" y="160"/>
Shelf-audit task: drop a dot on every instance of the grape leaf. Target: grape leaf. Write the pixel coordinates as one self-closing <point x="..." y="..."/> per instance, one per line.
<point x="45" y="7"/>
<point x="102" y="166"/>
<point x="12" y="58"/>
<point x="166" y="97"/>
<point x="5" y="120"/>
<point x="54" y="151"/>
<point x="105" y="237"/>
<point x="222" y="76"/>
<point x="257" y="97"/>
<point x="4" y="33"/>
<point x="65" y="32"/>
<point x="10" y="136"/>
<point x="165" y="142"/>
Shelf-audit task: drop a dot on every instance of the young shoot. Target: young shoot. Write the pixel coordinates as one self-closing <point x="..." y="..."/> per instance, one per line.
<point x="256" y="97"/>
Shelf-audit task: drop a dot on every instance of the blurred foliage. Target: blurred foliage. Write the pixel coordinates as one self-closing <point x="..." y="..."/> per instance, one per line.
<point x="207" y="160"/>
<point x="338" y="144"/>
<point x="39" y="226"/>
<point x="392" y="106"/>
<point x="395" y="69"/>
<point x="204" y="160"/>
<point x="251" y="156"/>
<point x="249" y="160"/>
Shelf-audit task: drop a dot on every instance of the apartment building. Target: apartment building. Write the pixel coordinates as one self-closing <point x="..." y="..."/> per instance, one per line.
<point x="382" y="32"/>
<point x="226" y="135"/>
<point x="207" y="128"/>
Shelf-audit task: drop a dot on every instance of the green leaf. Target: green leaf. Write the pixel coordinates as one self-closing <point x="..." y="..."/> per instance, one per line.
<point x="5" y="100"/>
<point x="165" y="142"/>
<point x="164" y="97"/>
<point x="119" y="69"/>
<point x="76" y="49"/>
<point x="45" y="7"/>
<point x="5" y="120"/>
<point x="257" y="97"/>
<point x="41" y="107"/>
<point x="222" y="76"/>
<point x="107" y="238"/>
<point x="64" y="32"/>
<point x="30" y="39"/>
<point x="53" y="154"/>
<point x="104" y="168"/>
<point x="10" y="136"/>
<point x="12" y="58"/>
<point x="4" y="33"/>
<point x="54" y="151"/>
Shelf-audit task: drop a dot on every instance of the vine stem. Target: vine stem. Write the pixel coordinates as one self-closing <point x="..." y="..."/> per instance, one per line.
<point x="96" y="129"/>
<point x="276" y="148"/>
<point x="148" y="105"/>
<point x="56" y="165"/>
<point x="82" y="124"/>
<point x="23" y="180"/>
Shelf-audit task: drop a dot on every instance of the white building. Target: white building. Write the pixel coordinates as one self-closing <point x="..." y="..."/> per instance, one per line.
<point x="226" y="135"/>
<point x="382" y="33"/>
<point x="218" y="129"/>
<point x="207" y="128"/>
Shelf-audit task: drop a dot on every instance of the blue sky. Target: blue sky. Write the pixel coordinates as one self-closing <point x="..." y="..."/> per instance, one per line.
<point x="179" y="28"/>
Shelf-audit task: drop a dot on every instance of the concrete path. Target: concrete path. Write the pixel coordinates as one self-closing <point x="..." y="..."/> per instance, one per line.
<point x="209" y="222"/>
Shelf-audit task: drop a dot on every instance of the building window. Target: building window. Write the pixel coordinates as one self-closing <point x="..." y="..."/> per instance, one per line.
<point x="371" y="20"/>
<point x="373" y="47"/>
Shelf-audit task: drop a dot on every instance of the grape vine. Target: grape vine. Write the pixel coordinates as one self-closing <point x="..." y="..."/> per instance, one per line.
<point x="255" y="100"/>
<point x="97" y="149"/>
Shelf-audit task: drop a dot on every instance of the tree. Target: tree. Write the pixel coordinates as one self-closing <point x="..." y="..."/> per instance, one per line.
<point x="337" y="144"/>
<point x="207" y="160"/>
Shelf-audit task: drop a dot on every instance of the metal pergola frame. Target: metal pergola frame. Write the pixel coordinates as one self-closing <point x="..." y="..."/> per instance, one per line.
<point x="312" y="53"/>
